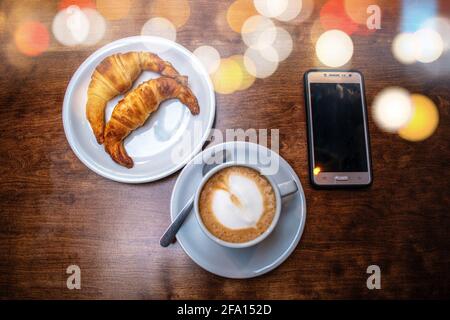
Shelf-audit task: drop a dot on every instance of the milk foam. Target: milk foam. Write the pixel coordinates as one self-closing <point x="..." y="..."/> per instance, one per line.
<point x="247" y="207"/>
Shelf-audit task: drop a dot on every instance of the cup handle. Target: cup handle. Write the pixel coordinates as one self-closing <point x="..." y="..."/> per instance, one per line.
<point x="287" y="188"/>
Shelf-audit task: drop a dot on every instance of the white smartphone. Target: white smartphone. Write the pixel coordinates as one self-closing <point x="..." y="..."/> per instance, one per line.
<point x="338" y="134"/>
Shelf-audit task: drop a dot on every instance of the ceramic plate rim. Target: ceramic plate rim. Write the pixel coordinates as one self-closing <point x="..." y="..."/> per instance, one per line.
<point x="284" y="255"/>
<point x="117" y="44"/>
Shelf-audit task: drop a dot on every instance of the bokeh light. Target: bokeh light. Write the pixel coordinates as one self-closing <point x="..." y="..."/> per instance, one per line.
<point x="114" y="9"/>
<point x="306" y="10"/>
<point x="404" y="48"/>
<point x="392" y="109"/>
<point x="71" y="26"/>
<point x="32" y="38"/>
<point x="425" y="45"/>
<point x="74" y="26"/>
<point x="442" y="26"/>
<point x="429" y="45"/>
<point x="333" y="16"/>
<point x="160" y="27"/>
<point x="424" y="121"/>
<point x="247" y="78"/>
<point x="282" y="44"/>
<point x="97" y="26"/>
<point x="357" y="9"/>
<point x="258" y="32"/>
<point x="258" y="65"/>
<point x="293" y="9"/>
<point x="209" y="57"/>
<point x="334" y="48"/>
<point x="176" y="11"/>
<point x="2" y="21"/>
<point x="238" y="12"/>
<point x="271" y="8"/>
<point x="283" y="10"/>
<point x="228" y="77"/>
<point x="414" y="13"/>
<point x="64" y="4"/>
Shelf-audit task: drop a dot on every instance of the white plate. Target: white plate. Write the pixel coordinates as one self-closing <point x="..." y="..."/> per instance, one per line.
<point x="167" y="141"/>
<point x="248" y="262"/>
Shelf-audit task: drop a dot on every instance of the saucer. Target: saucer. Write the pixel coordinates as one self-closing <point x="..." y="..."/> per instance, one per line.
<point x="245" y="262"/>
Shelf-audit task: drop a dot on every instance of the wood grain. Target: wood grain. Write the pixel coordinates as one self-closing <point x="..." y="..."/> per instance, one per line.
<point x="55" y="212"/>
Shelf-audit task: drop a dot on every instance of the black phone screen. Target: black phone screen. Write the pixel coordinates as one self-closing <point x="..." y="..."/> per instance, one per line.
<point x="338" y="127"/>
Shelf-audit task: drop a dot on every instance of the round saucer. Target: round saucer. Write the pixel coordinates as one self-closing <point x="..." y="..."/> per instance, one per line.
<point x="246" y="262"/>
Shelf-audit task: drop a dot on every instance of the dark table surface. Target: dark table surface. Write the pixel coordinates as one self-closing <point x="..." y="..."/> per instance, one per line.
<point x="55" y="212"/>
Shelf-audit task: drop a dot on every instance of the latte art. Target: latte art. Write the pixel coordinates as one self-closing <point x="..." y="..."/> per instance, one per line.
<point x="241" y="206"/>
<point x="237" y="204"/>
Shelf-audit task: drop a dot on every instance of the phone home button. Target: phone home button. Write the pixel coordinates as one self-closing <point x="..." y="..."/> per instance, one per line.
<point x="341" y="178"/>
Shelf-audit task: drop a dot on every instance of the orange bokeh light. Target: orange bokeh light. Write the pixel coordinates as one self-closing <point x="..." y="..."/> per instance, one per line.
<point x="80" y="3"/>
<point x="114" y="9"/>
<point x="176" y="11"/>
<point x="333" y="16"/>
<point x="2" y="21"/>
<point x="32" y="38"/>
<point x="357" y="9"/>
<point x="424" y="121"/>
<point x="238" y="12"/>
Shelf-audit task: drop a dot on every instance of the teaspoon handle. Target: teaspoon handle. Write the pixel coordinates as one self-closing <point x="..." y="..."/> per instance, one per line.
<point x="169" y="234"/>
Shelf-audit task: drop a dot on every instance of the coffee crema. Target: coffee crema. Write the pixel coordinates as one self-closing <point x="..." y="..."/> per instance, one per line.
<point x="237" y="204"/>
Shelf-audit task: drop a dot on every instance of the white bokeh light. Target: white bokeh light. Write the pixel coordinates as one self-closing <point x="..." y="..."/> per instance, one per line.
<point x="392" y="109"/>
<point x="293" y="9"/>
<point x="404" y="48"/>
<point x="271" y="8"/>
<point x="258" y="65"/>
<point x="209" y="57"/>
<point x="442" y="26"/>
<point x="160" y="27"/>
<point x="71" y="26"/>
<point x="334" y="48"/>
<point x="283" y="45"/>
<point x="97" y="26"/>
<point x="429" y="45"/>
<point x="258" y="32"/>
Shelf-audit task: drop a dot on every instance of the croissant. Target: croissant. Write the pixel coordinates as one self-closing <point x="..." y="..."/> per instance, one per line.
<point x="115" y="75"/>
<point x="132" y="112"/>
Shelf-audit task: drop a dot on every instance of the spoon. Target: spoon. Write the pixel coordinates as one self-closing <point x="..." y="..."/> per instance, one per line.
<point x="169" y="235"/>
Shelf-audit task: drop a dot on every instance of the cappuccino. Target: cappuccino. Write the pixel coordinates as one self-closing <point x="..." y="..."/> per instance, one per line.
<point x="237" y="204"/>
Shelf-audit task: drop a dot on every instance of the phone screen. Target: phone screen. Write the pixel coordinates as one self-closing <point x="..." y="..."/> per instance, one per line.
<point x="338" y="127"/>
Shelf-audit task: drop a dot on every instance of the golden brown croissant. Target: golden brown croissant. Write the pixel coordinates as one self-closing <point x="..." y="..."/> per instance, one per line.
<point x="115" y="75"/>
<point x="132" y="111"/>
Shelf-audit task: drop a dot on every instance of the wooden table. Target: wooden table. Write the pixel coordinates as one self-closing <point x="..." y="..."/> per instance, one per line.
<point x="56" y="212"/>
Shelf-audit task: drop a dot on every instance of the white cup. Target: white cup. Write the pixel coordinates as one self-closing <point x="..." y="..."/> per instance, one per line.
<point x="280" y="190"/>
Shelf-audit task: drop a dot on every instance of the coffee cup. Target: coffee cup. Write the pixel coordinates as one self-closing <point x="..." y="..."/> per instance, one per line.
<point x="237" y="206"/>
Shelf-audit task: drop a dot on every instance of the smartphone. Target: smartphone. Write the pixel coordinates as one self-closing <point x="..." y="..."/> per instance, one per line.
<point x="338" y="134"/>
